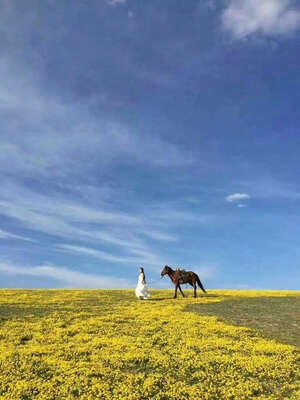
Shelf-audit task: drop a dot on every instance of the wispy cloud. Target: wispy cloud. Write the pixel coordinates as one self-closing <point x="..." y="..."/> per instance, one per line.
<point x="46" y="135"/>
<point x="116" y="2"/>
<point x="98" y="231"/>
<point x="63" y="225"/>
<point x="66" y="277"/>
<point x="206" y="271"/>
<point x="58" y="215"/>
<point x="242" y="18"/>
<point x="237" y="197"/>
<point x="8" y="235"/>
<point x="159" y="235"/>
<point x="102" y="255"/>
<point x="210" y="4"/>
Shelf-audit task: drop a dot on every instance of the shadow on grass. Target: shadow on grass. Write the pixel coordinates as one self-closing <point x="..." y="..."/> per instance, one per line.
<point x="187" y="295"/>
<point x="12" y="311"/>
<point x="160" y="299"/>
<point x="274" y="317"/>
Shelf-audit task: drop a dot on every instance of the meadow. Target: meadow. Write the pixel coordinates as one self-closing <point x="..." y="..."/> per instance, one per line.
<point x="106" y="344"/>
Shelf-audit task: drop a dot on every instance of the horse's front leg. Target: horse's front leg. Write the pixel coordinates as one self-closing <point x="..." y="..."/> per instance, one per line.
<point x="181" y="291"/>
<point x="176" y="287"/>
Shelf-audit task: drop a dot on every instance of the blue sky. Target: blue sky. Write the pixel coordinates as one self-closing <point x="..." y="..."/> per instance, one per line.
<point x="149" y="133"/>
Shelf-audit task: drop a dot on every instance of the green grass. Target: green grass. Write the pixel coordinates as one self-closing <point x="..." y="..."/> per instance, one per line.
<point x="275" y="317"/>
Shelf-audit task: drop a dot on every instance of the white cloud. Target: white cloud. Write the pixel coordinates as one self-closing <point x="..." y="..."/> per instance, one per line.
<point x="270" y="17"/>
<point x="148" y="257"/>
<point x="210" y="4"/>
<point x="159" y="235"/>
<point x="206" y="272"/>
<point x="240" y="205"/>
<point x="99" y="226"/>
<point x="8" y="235"/>
<point x="98" y="220"/>
<point x="60" y="215"/>
<point x="45" y="136"/>
<point x="66" y="276"/>
<point x="237" y="197"/>
<point x="97" y="254"/>
<point x="116" y="2"/>
<point x="62" y="225"/>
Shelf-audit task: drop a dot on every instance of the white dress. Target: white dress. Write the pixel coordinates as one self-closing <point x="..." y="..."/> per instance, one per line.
<point x="141" y="290"/>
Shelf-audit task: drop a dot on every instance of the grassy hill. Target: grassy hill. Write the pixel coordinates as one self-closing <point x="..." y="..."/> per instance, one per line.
<point x="106" y="344"/>
<point x="276" y="317"/>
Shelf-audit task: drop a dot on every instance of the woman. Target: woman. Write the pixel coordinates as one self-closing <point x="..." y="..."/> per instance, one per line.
<point x="141" y="290"/>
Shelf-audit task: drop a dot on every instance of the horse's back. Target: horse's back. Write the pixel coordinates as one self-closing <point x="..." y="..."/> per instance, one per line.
<point x="191" y="273"/>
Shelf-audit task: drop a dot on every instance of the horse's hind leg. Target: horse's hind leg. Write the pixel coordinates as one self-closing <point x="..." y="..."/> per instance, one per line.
<point x="181" y="291"/>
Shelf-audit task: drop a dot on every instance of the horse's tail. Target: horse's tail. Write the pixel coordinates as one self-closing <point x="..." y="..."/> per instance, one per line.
<point x="200" y="284"/>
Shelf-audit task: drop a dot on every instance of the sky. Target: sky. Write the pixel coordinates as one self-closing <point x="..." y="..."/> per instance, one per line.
<point x="145" y="133"/>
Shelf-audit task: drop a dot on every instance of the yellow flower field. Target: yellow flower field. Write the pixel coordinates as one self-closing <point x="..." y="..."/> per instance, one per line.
<point x="106" y="344"/>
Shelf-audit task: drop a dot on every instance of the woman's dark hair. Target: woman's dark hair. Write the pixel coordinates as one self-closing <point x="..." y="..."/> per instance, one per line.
<point x="142" y="271"/>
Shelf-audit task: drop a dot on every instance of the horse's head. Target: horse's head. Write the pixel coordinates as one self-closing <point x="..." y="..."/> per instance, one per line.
<point x="165" y="271"/>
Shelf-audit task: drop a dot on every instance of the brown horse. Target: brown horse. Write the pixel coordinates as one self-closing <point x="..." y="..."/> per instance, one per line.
<point x="180" y="276"/>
